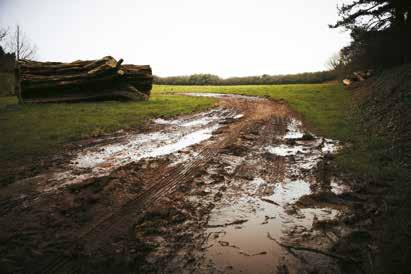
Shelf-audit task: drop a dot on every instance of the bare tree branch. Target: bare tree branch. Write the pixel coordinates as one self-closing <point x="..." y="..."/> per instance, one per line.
<point x="334" y="62"/>
<point x="19" y="43"/>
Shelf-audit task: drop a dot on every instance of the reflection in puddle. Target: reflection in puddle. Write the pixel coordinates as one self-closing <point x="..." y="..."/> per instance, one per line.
<point x="143" y="146"/>
<point x="180" y="134"/>
<point x="248" y="249"/>
<point x="290" y="191"/>
<point x="223" y="95"/>
<point x="176" y="135"/>
<point x="294" y="130"/>
<point x="241" y="220"/>
<point x="285" y="150"/>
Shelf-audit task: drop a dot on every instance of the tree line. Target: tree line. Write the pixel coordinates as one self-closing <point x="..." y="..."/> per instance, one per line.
<point x="210" y="79"/>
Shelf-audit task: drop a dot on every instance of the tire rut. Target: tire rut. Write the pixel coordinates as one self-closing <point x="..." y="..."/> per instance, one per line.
<point x="161" y="186"/>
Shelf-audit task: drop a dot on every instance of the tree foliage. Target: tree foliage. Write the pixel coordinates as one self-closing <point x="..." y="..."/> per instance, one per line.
<point x="380" y="31"/>
<point x="209" y="79"/>
<point x="3" y="34"/>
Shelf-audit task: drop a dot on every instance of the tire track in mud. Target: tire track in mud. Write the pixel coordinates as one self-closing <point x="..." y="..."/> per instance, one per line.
<point x="118" y="222"/>
<point x="121" y="216"/>
<point x="8" y="205"/>
<point x="125" y="214"/>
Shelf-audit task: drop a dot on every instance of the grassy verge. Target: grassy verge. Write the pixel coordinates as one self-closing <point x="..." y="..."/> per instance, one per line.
<point x="37" y="129"/>
<point x="322" y="106"/>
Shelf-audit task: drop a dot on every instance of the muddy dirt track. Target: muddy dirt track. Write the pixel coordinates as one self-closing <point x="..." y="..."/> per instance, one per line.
<point x="242" y="188"/>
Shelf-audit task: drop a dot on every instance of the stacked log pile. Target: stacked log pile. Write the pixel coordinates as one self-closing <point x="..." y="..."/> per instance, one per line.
<point x="92" y="80"/>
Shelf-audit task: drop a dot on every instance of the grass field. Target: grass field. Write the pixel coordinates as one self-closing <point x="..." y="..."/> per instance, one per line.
<point x="38" y="129"/>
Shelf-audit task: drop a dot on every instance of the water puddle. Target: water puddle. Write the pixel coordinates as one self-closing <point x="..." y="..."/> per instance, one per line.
<point x="286" y="150"/>
<point x="176" y="136"/>
<point x="251" y="209"/>
<point x="142" y="146"/>
<point x="225" y="96"/>
<point x="294" y="130"/>
<point x="245" y="246"/>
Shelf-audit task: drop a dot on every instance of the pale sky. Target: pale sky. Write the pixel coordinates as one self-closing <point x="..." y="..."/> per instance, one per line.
<point x="182" y="37"/>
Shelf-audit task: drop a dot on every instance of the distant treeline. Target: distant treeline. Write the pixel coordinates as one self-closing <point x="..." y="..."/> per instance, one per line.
<point x="210" y="79"/>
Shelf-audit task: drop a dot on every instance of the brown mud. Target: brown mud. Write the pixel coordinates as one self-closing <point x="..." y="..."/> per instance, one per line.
<point x="240" y="188"/>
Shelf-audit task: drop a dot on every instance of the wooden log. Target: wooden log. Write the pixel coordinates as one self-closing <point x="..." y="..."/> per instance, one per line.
<point x="143" y="87"/>
<point x="102" y="70"/>
<point x="124" y="93"/>
<point x="346" y="82"/>
<point x="139" y="76"/>
<point x="66" y="68"/>
<point x="134" y="69"/>
<point x="27" y="85"/>
<point x="102" y="79"/>
<point x="28" y="65"/>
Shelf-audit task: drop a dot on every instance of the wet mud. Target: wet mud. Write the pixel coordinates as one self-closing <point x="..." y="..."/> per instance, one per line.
<point x="242" y="188"/>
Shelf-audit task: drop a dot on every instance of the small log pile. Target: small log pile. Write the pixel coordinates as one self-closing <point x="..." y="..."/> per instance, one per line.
<point x="92" y="80"/>
<point x="357" y="76"/>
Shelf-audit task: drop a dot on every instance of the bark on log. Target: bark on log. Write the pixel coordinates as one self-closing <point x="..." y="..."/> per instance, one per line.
<point x="57" y="84"/>
<point x="86" y="64"/>
<point x="138" y="76"/>
<point x="99" y="72"/>
<point x="66" y="68"/>
<point x="43" y="82"/>
<point x="122" y="94"/>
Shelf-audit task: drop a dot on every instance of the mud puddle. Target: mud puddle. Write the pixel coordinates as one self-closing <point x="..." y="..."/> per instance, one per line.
<point x="175" y="137"/>
<point x="252" y="207"/>
<point x="225" y="96"/>
<point x="247" y="203"/>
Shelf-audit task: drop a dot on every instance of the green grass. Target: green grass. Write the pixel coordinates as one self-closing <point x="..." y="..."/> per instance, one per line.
<point x="30" y="130"/>
<point x="322" y="106"/>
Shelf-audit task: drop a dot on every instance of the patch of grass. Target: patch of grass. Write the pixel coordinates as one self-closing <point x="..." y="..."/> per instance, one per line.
<point x="322" y="106"/>
<point x="29" y="130"/>
<point x="368" y="158"/>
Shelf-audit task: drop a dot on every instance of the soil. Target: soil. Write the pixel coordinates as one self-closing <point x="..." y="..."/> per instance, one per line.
<point x="241" y="188"/>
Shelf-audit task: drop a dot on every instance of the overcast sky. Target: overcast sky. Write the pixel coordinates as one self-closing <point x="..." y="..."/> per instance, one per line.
<point x="181" y="37"/>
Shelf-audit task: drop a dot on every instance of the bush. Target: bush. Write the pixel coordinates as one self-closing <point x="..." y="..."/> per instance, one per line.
<point x="6" y="84"/>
